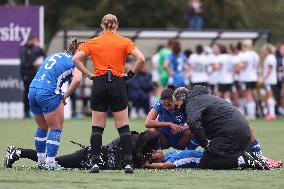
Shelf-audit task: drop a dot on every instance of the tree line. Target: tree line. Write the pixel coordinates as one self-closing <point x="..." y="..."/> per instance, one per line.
<point x="218" y="14"/>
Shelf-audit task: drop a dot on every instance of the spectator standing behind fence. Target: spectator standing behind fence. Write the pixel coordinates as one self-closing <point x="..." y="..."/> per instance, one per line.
<point x="175" y="64"/>
<point x="195" y="15"/>
<point x="28" y="55"/>
<point x="39" y="53"/>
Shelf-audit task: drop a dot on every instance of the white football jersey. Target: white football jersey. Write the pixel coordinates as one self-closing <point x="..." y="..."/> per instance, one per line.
<point x="235" y="60"/>
<point x="270" y="60"/>
<point x="198" y="73"/>
<point x="213" y="75"/>
<point x="227" y="69"/>
<point x="249" y="73"/>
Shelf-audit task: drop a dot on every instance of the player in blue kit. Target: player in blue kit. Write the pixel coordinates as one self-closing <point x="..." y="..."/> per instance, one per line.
<point x="189" y="159"/>
<point x="47" y="102"/>
<point x="175" y="64"/>
<point x="169" y="123"/>
<point x="175" y="159"/>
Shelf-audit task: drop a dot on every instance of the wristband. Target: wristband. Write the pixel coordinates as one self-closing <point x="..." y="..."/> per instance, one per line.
<point x="130" y="74"/>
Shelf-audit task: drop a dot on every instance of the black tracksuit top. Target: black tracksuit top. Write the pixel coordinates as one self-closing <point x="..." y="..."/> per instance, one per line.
<point x="211" y="116"/>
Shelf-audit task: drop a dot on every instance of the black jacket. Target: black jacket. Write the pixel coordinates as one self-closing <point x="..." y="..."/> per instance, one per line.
<point x="210" y="116"/>
<point x="27" y="57"/>
<point x="140" y="83"/>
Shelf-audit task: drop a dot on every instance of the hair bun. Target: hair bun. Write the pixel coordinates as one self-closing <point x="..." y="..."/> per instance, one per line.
<point x="109" y="21"/>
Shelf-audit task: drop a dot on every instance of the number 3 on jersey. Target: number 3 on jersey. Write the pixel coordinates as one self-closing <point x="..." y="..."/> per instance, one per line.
<point x="52" y="60"/>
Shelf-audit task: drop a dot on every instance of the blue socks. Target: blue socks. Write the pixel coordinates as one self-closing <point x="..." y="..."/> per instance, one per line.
<point x="52" y="144"/>
<point x="40" y="140"/>
<point x="192" y="144"/>
<point x="40" y="144"/>
<point x="255" y="148"/>
<point x="187" y="158"/>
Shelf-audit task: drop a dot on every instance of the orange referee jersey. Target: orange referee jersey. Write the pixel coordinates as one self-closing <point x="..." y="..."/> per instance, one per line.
<point x="109" y="50"/>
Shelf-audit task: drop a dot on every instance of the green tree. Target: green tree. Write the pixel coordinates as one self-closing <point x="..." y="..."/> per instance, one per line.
<point x="218" y="14"/>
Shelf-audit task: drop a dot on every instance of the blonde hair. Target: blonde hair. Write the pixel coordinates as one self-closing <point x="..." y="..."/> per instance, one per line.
<point x="247" y="44"/>
<point x="74" y="45"/>
<point x="269" y="48"/>
<point x="110" y="22"/>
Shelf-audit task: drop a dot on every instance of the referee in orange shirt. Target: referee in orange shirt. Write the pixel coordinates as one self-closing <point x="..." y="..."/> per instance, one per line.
<point x="108" y="52"/>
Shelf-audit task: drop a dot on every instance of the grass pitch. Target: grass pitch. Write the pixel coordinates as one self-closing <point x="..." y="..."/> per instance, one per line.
<point x="25" y="174"/>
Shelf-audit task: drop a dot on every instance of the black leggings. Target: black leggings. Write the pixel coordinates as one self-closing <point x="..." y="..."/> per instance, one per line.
<point x="72" y="160"/>
<point x="224" y="150"/>
<point x="209" y="161"/>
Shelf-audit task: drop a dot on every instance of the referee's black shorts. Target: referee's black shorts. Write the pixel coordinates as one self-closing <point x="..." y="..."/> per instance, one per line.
<point x="107" y="94"/>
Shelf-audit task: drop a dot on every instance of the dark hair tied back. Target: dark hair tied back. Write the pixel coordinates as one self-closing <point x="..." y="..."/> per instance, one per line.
<point x="74" y="45"/>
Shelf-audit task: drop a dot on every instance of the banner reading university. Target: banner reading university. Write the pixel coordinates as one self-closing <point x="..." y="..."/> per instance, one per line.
<point x="16" y="25"/>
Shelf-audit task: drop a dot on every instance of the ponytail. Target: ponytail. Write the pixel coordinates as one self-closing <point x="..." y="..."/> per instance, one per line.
<point x="74" y="45"/>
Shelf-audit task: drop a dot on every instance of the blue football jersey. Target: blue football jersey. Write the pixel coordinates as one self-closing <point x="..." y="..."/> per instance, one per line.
<point x="55" y="70"/>
<point x="177" y="63"/>
<point x="177" y="117"/>
<point x="184" y="158"/>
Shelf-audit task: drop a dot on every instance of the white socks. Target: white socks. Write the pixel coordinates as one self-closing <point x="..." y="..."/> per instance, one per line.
<point x="250" y="106"/>
<point x="50" y="160"/>
<point x="41" y="157"/>
<point x="271" y="106"/>
<point x="241" y="106"/>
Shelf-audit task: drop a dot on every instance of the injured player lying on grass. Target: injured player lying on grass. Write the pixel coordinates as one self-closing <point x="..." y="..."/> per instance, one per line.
<point x="111" y="154"/>
<point x="144" y="155"/>
<point x="191" y="159"/>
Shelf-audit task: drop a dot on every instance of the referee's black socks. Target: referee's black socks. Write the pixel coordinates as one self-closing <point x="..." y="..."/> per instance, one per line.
<point x="96" y="143"/>
<point x="126" y="143"/>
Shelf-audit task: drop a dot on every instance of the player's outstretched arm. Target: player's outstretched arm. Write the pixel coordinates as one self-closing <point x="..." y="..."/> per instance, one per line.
<point x="166" y="165"/>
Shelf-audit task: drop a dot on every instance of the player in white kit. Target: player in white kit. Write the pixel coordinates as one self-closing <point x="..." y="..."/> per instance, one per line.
<point x="269" y="79"/>
<point x="248" y="76"/>
<point x="235" y="61"/>
<point x="226" y="74"/>
<point x="198" y="68"/>
<point x="213" y="73"/>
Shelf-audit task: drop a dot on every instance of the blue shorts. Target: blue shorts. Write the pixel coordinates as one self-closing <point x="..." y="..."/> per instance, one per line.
<point x="43" y="101"/>
<point x="172" y="139"/>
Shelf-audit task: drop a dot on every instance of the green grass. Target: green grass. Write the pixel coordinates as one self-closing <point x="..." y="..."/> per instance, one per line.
<point x="24" y="174"/>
